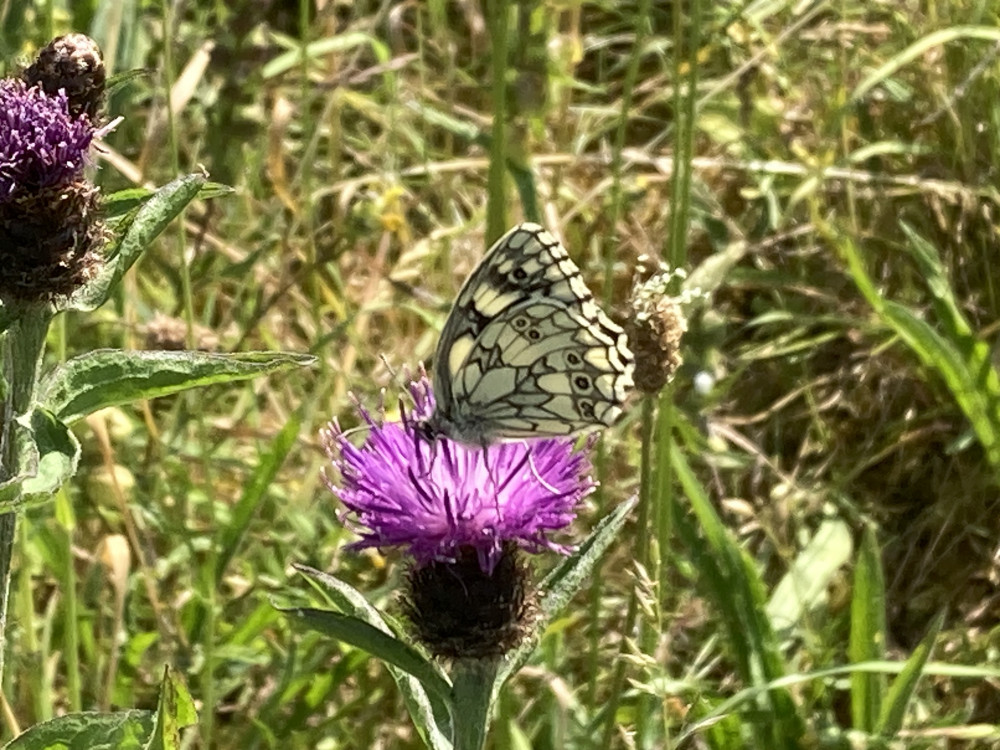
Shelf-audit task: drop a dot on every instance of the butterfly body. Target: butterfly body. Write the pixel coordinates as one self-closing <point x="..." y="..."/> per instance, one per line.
<point x="525" y="351"/>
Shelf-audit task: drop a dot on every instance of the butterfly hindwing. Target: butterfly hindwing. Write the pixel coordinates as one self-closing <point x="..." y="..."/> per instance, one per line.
<point x="525" y="351"/>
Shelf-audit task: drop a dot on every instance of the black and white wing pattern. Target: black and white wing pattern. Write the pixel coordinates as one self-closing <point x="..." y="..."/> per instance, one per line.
<point x="525" y="351"/>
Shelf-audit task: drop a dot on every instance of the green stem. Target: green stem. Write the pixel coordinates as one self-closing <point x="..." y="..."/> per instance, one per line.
<point x="71" y="641"/>
<point x="66" y="519"/>
<point x="663" y="487"/>
<point x="8" y="531"/>
<point x="472" y="690"/>
<point x="685" y="110"/>
<point x="496" y="201"/>
<point x="641" y="30"/>
<point x="647" y="635"/>
<point x="209" y="590"/>
<point x="22" y="349"/>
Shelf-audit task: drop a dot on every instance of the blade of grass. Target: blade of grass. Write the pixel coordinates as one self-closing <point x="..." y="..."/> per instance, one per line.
<point x="890" y="720"/>
<point x="867" y="640"/>
<point x="918" y="49"/>
<point x="963" y="365"/>
<point x="498" y="18"/>
<point x="731" y="581"/>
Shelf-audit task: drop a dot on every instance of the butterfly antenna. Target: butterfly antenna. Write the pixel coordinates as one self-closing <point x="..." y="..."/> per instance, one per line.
<point x="392" y="371"/>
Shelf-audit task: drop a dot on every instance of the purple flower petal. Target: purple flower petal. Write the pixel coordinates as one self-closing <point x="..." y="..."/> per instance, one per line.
<point x="434" y="498"/>
<point x="40" y="144"/>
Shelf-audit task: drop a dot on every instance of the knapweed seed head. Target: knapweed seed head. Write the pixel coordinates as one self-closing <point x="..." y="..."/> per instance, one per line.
<point x="464" y="514"/>
<point x="655" y="328"/>
<point x="71" y="64"/>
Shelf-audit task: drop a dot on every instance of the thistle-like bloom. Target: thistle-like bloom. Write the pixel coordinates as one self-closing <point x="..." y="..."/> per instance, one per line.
<point x="50" y="228"/>
<point x="440" y="500"/>
<point x="465" y="514"/>
<point x="40" y="144"/>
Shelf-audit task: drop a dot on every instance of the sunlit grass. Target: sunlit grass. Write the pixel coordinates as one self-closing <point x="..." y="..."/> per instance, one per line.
<point x="357" y="139"/>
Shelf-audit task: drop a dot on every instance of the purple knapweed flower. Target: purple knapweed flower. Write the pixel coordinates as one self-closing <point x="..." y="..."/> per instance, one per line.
<point x="41" y="145"/>
<point x="440" y="500"/>
<point x="51" y="228"/>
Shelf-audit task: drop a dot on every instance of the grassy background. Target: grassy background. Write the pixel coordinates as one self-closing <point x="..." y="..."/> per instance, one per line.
<point x="834" y="195"/>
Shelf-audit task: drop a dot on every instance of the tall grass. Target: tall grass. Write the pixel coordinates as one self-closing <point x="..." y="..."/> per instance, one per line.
<point x="814" y="563"/>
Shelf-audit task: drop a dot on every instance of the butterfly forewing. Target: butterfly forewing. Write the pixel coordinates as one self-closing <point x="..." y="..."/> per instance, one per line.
<point x="525" y="351"/>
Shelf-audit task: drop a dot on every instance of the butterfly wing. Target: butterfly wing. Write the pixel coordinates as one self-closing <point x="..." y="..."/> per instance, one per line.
<point x="525" y="351"/>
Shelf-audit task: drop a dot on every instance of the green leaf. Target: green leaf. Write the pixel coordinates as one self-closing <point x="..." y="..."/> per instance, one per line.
<point x="175" y="711"/>
<point x="368" y="638"/>
<point x="298" y="54"/>
<point x="150" y="220"/>
<point x="918" y="49"/>
<point x="562" y="583"/>
<point x="11" y="489"/>
<point x="714" y="271"/>
<point x="890" y="720"/>
<point x="123" y="730"/>
<point x="121" y="202"/>
<point x="935" y="276"/>
<point x="110" y="377"/>
<point x="806" y="582"/>
<point x="730" y="579"/>
<point x="254" y="492"/>
<point x="428" y="693"/>
<point x="58" y="455"/>
<point x="962" y="362"/>
<point x="565" y="581"/>
<point x="125" y="201"/>
<point x="867" y="639"/>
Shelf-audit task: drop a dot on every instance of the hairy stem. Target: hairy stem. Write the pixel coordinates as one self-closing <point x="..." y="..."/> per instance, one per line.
<point x="22" y="348"/>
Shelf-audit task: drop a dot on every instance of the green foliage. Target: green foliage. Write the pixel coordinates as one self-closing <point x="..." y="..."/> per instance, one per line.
<point x="104" y="378"/>
<point x="122" y="730"/>
<point x="867" y="641"/>
<point x="129" y="730"/>
<point x="425" y="689"/>
<point x="820" y="480"/>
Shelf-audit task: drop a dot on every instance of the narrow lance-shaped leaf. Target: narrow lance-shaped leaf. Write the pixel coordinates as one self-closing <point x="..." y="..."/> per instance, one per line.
<point x="254" y="492"/>
<point x="121" y="202"/>
<point x="890" y="720"/>
<point x="375" y="641"/>
<point x="961" y="361"/>
<point x="427" y="695"/>
<point x="867" y="639"/>
<point x="563" y="582"/>
<point x="150" y="220"/>
<point x="110" y="377"/>
<point x="808" y="578"/>
<point x="732" y="582"/>
<point x="175" y="711"/>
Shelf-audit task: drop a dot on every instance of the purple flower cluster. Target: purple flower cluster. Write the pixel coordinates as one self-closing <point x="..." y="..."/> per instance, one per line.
<point x="41" y="145"/>
<point x="439" y="498"/>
